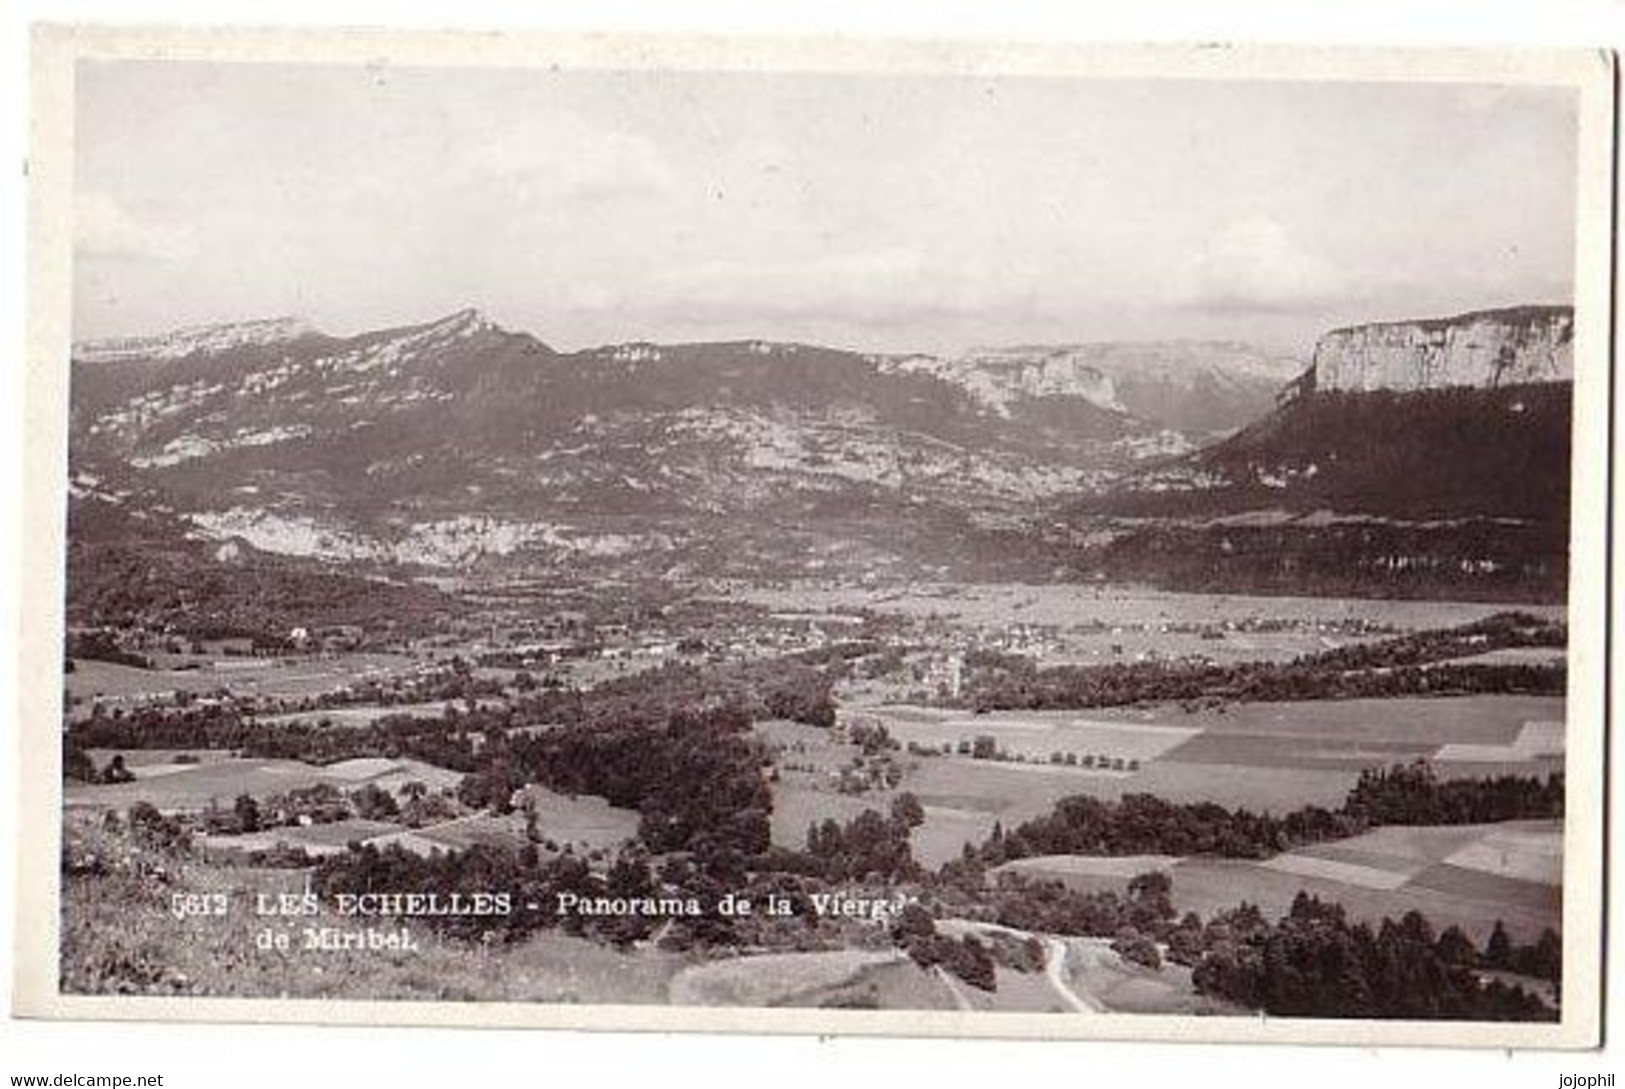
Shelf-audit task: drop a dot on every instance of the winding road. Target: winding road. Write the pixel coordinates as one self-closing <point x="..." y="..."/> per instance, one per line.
<point x="1055" y="952"/>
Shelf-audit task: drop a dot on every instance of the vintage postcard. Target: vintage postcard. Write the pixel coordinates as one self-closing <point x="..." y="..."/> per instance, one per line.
<point x="817" y="536"/>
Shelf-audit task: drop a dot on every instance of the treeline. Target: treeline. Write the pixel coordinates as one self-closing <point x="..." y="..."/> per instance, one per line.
<point x="1474" y="559"/>
<point x="1413" y="794"/>
<point x="1411" y="665"/>
<point x="1051" y="907"/>
<point x="868" y="847"/>
<point x="1145" y="824"/>
<point x="1311" y="963"/>
<point x="449" y="742"/>
<point x="100" y="645"/>
<point x="1495" y="632"/>
<point x="1315" y="963"/>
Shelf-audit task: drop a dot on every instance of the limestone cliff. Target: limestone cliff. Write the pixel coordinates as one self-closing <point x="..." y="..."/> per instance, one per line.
<point x="1485" y="349"/>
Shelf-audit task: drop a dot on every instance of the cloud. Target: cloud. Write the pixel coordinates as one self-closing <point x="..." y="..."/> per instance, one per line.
<point x="1255" y="265"/>
<point x="573" y="164"/>
<point x="105" y="228"/>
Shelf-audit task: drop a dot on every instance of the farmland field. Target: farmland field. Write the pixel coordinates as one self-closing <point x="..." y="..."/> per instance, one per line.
<point x="1272" y="757"/>
<point x="197" y="786"/>
<point x="219" y="777"/>
<point x="1468" y="875"/>
<point x="1034" y="735"/>
<point x="286" y="678"/>
<point x="992" y="603"/>
<point x="583" y="819"/>
<point x="317" y="839"/>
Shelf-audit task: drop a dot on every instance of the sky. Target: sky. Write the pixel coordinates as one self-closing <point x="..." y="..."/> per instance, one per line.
<point x="889" y="213"/>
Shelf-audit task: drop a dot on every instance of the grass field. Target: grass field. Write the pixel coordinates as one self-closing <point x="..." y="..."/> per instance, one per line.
<point x="775" y="979"/>
<point x="1121" y="987"/>
<point x="795" y="807"/>
<point x="391" y="775"/>
<point x="1469" y="875"/>
<point x="118" y="936"/>
<point x="284" y="678"/>
<point x="896" y="985"/>
<point x="195" y="786"/>
<point x="1034" y="735"/>
<point x="582" y="819"/>
<point x="1265" y="757"/>
<point x="992" y="604"/>
<point x="367" y="714"/>
<point x="220" y="778"/>
<point x="317" y="839"/>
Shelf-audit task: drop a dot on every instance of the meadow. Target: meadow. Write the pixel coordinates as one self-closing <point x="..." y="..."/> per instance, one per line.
<point x="1465" y="875"/>
<point x="292" y="677"/>
<point x="1270" y="757"/>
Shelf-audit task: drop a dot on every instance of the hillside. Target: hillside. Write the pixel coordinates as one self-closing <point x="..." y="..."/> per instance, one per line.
<point x="1413" y="459"/>
<point x="457" y="442"/>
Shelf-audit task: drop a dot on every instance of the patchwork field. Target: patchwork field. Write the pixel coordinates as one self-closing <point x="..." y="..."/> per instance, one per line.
<point x="1264" y="757"/>
<point x="1034" y="736"/>
<point x="278" y="678"/>
<point x="1469" y="875"/>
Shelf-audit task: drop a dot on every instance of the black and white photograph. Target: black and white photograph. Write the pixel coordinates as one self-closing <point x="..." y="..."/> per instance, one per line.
<point x="943" y="540"/>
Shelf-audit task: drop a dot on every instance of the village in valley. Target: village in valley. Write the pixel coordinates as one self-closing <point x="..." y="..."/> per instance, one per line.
<point x="855" y="538"/>
<point x="303" y="751"/>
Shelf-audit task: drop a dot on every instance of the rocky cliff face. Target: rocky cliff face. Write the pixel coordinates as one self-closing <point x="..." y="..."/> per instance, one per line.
<point x="1486" y="349"/>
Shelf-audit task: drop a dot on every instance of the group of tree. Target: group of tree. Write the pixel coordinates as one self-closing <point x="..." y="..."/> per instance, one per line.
<point x="965" y="957"/>
<point x="102" y="645"/>
<point x="869" y="846"/>
<point x="1420" y="664"/>
<point x="1145" y="824"/>
<point x="1051" y="907"/>
<point x="1315" y="963"/>
<point x="78" y="767"/>
<point x="1413" y="794"/>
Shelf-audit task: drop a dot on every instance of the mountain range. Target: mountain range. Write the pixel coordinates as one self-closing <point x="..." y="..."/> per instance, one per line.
<point x="458" y="444"/>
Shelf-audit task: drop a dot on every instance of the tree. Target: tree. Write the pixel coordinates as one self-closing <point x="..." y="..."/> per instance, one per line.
<point x="373" y="803"/>
<point x="1498" y="954"/>
<point x="248" y="813"/>
<point x="914" y="922"/>
<point x="971" y="962"/>
<point x="76" y="764"/>
<point x="1133" y="946"/>
<point x="907" y="810"/>
<point x="1455" y="947"/>
<point x="1152" y="893"/>
<point x="1544" y="959"/>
